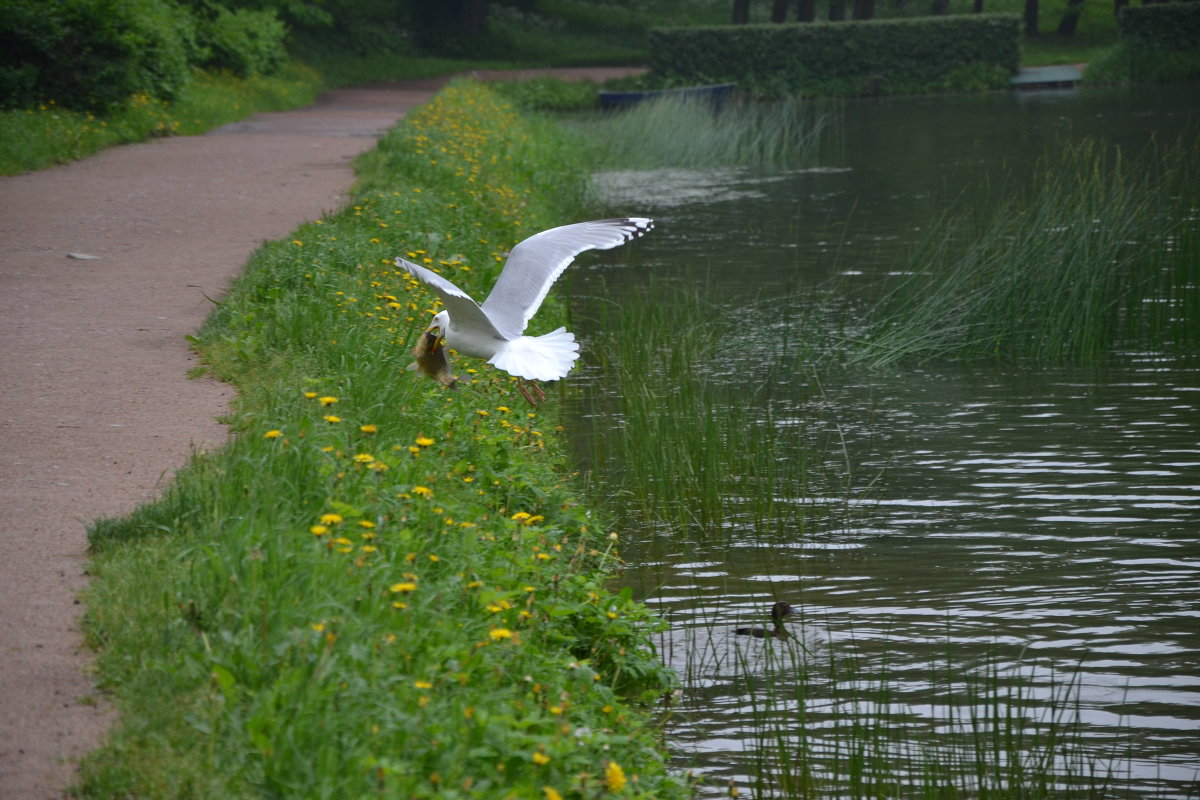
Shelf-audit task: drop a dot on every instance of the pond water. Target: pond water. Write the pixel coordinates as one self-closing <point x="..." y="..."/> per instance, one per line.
<point x="1036" y="527"/>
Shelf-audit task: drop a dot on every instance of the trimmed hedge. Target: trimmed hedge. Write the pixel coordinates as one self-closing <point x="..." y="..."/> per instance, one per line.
<point x="978" y="51"/>
<point x="1172" y="25"/>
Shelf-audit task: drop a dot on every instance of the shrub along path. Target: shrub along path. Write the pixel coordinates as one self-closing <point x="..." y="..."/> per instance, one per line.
<point x="97" y="410"/>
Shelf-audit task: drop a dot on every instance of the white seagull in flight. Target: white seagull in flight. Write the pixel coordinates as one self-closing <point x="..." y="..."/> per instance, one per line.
<point x="495" y="330"/>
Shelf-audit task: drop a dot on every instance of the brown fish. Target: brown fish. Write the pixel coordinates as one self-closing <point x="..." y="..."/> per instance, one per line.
<point x="431" y="359"/>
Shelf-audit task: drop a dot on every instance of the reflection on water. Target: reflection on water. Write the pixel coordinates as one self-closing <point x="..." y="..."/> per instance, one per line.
<point x="1038" y="528"/>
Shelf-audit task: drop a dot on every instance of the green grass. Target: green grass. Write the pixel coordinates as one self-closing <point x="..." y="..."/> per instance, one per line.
<point x="36" y="138"/>
<point x="1098" y="252"/>
<point x="379" y="587"/>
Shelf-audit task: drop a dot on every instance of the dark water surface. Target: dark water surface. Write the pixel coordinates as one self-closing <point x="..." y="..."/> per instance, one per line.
<point x="1037" y="526"/>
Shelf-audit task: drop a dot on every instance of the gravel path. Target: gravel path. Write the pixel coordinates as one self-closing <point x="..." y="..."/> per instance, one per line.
<point x="97" y="411"/>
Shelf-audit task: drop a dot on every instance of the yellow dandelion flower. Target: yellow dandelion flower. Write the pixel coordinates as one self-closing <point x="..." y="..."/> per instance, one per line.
<point x="614" y="777"/>
<point x="364" y="458"/>
<point x="541" y="759"/>
<point x="424" y="441"/>
<point x="328" y="400"/>
<point x="319" y="530"/>
<point x="521" y="516"/>
<point x="423" y="684"/>
<point x="332" y="418"/>
<point x="331" y="519"/>
<point x="365" y="523"/>
<point x="422" y="491"/>
<point x="551" y="793"/>
<point x="310" y="395"/>
<point x="500" y="633"/>
<point x="403" y="587"/>
<point x="368" y="428"/>
<point x="272" y="434"/>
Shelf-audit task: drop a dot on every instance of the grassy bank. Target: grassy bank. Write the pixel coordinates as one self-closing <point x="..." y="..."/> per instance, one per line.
<point x="379" y="587"/>
<point x="37" y="138"/>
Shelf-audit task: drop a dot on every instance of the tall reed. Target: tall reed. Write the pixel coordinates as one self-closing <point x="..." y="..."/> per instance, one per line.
<point x="673" y="131"/>
<point x="682" y="423"/>
<point x="1060" y="272"/>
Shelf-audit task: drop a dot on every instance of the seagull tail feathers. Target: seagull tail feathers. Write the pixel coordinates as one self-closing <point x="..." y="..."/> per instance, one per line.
<point x="539" y="358"/>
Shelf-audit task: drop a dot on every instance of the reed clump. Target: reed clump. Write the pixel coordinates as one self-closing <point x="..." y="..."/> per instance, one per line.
<point x="681" y="423"/>
<point x="673" y="131"/>
<point x="1095" y="255"/>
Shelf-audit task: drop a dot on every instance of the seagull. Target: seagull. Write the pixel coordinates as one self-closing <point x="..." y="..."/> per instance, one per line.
<point x="495" y="330"/>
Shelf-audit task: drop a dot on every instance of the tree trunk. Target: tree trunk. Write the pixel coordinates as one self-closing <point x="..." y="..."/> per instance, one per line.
<point x="779" y="10"/>
<point x="837" y="10"/>
<point x="741" y="12"/>
<point x="807" y="11"/>
<point x="472" y="17"/>
<point x="1031" y="17"/>
<point x="940" y="7"/>
<point x="1070" y="20"/>
<point x="977" y="8"/>
<point x="864" y="9"/>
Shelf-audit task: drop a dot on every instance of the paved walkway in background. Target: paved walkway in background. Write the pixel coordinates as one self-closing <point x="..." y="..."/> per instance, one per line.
<point x="96" y="411"/>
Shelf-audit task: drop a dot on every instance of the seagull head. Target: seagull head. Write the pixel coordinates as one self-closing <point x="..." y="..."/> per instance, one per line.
<point x="440" y="321"/>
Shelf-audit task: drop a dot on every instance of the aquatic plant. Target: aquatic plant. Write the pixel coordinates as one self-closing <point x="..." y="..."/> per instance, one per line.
<point x="1065" y="270"/>
<point x="679" y="421"/>
<point x="677" y="131"/>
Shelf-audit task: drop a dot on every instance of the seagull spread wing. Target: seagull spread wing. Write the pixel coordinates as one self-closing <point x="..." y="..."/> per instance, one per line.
<point x="534" y="265"/>
<point x="465" y="312"/>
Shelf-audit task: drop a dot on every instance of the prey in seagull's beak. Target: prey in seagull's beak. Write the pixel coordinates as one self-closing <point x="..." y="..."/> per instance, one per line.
<point x="431" y="358"/>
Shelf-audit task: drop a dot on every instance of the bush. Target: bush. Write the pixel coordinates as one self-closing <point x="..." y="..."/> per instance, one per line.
<point x="90" y="54"/>
<point x="1175" y="26"/>
<point x="1158" y="45"/>
<point x="245" y="42"/>
<point x="878" y="56"/>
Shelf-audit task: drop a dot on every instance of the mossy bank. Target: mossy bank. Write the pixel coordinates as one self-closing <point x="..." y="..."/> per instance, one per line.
<point x="379" y="587"/>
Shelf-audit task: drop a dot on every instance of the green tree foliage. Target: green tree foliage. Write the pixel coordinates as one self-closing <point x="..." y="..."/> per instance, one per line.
<point x="89" y="54"/>
<point x="246" y="42"/>
<point x="92" y="54"/>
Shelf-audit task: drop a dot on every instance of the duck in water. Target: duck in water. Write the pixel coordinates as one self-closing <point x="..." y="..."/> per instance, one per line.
<point x="778" y="612"/>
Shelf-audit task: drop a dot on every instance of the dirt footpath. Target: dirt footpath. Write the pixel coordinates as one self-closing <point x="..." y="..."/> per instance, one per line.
<point x="96" y="409"/>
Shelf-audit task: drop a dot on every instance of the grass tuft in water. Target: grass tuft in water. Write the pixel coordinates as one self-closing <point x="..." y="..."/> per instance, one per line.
<point x="681" y="424"/>
<point x="681" y="132"/>
<point x="1095" y="255"/>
